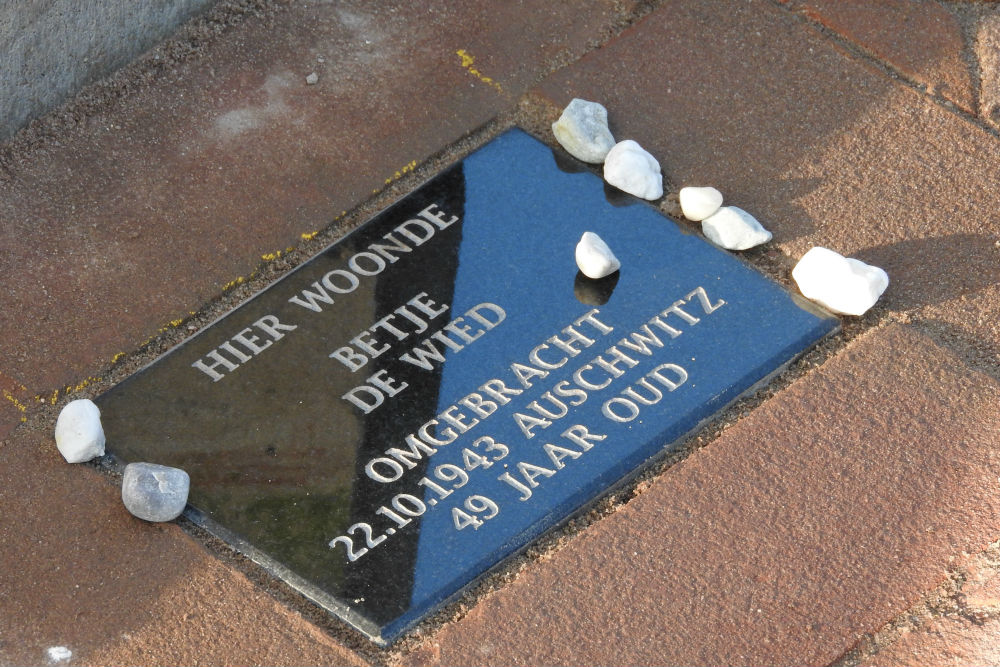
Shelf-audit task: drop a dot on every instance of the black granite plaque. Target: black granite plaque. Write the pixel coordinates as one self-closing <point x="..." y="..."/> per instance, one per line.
<point x="432" y="392"/>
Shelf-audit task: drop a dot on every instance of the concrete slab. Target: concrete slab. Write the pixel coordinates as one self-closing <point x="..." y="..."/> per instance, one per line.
<point x="49" y="49"/>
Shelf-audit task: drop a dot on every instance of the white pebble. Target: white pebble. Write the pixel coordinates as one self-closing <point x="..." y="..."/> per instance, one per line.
<point x="734" y="229"/>
<point x="59" y="654"/>
<point x="594" y="258"/>
<point x="79" y="435"/>
<point x="312" y="78"/>
<point x="699" y="203"/>
<point x="154" y="492"/>
<point x="630" y="168"/>
<point x="582" y="130"/>
<point x="842" y="284"/>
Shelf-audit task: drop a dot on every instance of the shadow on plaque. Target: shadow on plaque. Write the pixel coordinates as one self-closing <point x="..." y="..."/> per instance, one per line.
<point x="592" y="292"/>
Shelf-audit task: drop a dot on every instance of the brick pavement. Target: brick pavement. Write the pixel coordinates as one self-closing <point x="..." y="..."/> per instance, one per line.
<point x="923" y="41"/>
<point x="82" y="573"/>
<point x="770" y="545"/>
<point x="168" y="178"/>
<point x="828" y="130"/>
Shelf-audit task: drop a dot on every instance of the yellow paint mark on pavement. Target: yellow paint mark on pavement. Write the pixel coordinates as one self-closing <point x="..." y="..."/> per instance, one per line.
<point x="410" y="166"/>
<point x="467" y="62"/>
<point x="21" y="407"/>
<point x="271" y="256"/>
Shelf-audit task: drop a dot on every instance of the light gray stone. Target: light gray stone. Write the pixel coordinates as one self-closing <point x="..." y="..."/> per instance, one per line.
<point x="154" y="492"/>
<point x="582" y="130"/>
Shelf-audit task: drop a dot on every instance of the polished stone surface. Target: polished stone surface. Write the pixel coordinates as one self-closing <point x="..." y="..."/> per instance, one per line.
<point x="428" y="395"/>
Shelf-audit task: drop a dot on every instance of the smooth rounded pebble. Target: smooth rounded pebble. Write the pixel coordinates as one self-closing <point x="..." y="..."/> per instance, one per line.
<point x="154" y="492"/>
<point x="582" y="130"/>
<point x="594" y="258"/>
<point x="59" y="654"/>
<point x="79" y="434"/>
<point x="699" y="203"/>
<point x="630" y="168"/>
<point x="844" y="285"/>
<point x="734" y="229"/>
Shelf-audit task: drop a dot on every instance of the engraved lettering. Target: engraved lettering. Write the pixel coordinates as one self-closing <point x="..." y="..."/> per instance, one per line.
<point x="706" y="304"/>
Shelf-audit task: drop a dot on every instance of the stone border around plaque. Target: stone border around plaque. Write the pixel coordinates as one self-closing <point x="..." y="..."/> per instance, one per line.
<point x="428" y="395"/>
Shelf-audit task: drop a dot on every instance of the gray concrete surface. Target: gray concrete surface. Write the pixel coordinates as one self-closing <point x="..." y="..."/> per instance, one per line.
<point x="49" y="49"/>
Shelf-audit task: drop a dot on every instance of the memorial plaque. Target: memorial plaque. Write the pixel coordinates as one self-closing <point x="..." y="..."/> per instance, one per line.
<point x="429" y="394"/>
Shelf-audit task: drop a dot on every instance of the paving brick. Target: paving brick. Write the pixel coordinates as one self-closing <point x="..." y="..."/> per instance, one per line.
<point x="153" y="202"/>
<point x="9" y="419"/>
<point x="988" y="52"/>
<point x="823" y="148"/>
<point x="951" y="641"/>
<point x="826" y="512"/>
<point x="921" y="40"/>
<point x="82" y="573"/>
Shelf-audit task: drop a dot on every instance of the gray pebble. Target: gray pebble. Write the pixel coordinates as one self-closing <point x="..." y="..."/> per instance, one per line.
<point x="582" y="130"/>
<point x="154" y="492"/>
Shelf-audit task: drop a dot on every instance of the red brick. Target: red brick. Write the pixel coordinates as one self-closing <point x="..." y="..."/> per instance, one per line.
<point x="921" y="40"/>
<point x="151" y="204"/>
<point x="952" y="641"/>
<point x="821" y="147"/>
<point x="822" y="515"/>
<point x="80" y="572"/>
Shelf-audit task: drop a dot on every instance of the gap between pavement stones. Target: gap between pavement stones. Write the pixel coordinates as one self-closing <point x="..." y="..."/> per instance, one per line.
<point x="956" y="624"/>
<point x="897" y="33"/>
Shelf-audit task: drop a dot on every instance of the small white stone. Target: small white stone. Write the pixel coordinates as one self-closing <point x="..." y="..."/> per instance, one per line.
<point x="154" y="492"/>
<point x="630" y="168"/>
<point x="734" y="229"/>
<point x="699" y="203"/>
<point x="594" y="258"/>
<point x="312" y="78"/>
<point x="59" y="654"/>
<point x="582" y="130"/>
<point x="79" y="435"/>
<point x="844" y="285"/>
